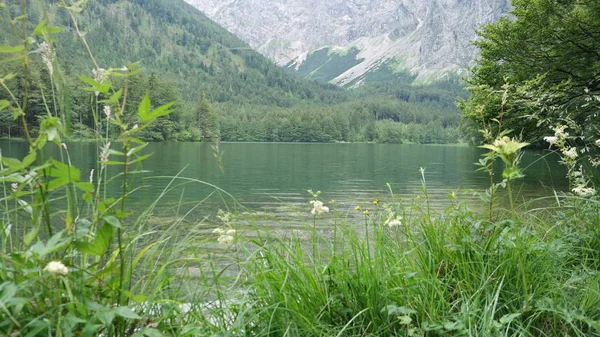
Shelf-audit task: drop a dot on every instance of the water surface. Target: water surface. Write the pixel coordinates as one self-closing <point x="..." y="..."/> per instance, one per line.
<point x="274" y="177"/>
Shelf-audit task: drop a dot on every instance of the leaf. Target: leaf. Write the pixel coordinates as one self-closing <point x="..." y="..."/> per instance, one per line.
<point x="28" y="239"/>
<point x="149" y="332"/>
<point x="11" y="162"/>
<point x="17" y="113"/>
<point x="126" y="312"/>
<point x="85" y="186"/>
<point x="509" y="318"/>
<point x="453" y="325"/>
<point x="11" y="49"/>
<point x="162" y="110"/>
<point x="393" y="309"/>
<point x="101" y="242"/>
<point x="113" y="221"/>
<point x="141" y="158"/>
<point x="4" y="104"/>
<point x="40" y="28"/>
<point x="87" y="197"/>
<point x="96" y="86"/>
<point x="115" y="97"/>
<point x="62" y="170"/>
<point x="144" y="109"/>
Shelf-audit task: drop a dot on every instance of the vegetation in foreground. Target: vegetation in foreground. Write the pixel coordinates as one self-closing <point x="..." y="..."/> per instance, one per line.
<point x="76" y="262"/>
<point x="406" y="271"/>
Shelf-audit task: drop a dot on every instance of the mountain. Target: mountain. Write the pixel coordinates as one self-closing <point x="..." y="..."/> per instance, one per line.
<point x="173" y="40"/>
<point x="350" y="42"/>
<point x="223" y="88"/>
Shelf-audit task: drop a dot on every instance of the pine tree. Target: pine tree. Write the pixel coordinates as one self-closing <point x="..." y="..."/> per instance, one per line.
<point x="208" y="119"/>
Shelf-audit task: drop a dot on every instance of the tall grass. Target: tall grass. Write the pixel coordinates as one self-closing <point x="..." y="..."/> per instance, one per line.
<point x="75" y="261"/>
<point x="452" y="273"/>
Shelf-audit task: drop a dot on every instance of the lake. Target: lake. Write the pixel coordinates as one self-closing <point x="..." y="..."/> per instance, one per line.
<point x="274" y="177"/>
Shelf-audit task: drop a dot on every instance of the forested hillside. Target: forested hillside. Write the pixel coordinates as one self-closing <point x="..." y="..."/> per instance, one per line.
<point x="221" y="86"/>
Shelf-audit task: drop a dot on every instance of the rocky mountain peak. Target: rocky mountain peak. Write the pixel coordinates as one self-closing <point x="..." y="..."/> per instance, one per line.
<point x="428" y="38"/>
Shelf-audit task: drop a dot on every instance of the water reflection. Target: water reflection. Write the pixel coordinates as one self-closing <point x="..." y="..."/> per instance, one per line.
<point x="267" y="176"/>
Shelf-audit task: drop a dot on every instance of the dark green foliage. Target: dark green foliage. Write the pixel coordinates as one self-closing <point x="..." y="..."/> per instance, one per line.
<point x="548" y="55"/>
<point x="208" y="120"/>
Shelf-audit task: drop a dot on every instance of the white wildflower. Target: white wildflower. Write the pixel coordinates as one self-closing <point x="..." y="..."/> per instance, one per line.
<point x="107" y="112"/>
<point x="100" y="75"/>
<point x="14" y="187"/>
<point x="570" y="153"/>
<point x="597" y="142"/>
<point x="595" y="162"/>
<point x="104" y="154"/>
<point x="393" y="222"/>
<point x="230" y="232"/>
<point x="560" y="130"/>
<point x="551" y="140"/>
<point x="583" y="191"/>
<point x="404" y="320"/>
<point x="226" y="239"/>
<point x="219" y="231"/>
<point x="46" y="54"/>
<point x="56" y="267"/>
<point x="224" y="216"/>
<point x="318" y="207"/>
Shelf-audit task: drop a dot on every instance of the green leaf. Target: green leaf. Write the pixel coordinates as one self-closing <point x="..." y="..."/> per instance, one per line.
<point x="144" y="109"/>
<point x="39" y="29"/>
<point x="4" y="104"/>
<point x="28" y="239"/>
<point x="85" y="186"/>
<point x="56" y="184"/>
<point x="149" y="332"/>
<point x="126" y="312"/>
<point x="62" y="170"/>
<point x="113" y="221"/>
<point x="96" y="86"/>
<point x="87" y="197"/>
<point x="162" y="110"/>
<point x="101" y="242"/>
<point x="115" y="97"/>
<point x="509" y="318"/>
<point x="141" y="158"/>
<point x="17" y="113"/>
<point x="29" y="159"/>
<point x="11" y="49"/>
<point x="11" y="162"/>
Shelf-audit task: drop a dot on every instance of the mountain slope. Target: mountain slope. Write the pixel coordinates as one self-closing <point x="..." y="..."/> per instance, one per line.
<point x="428" y="39"/>
<point x="177" y="42"/>
<point x="185" y="54"/>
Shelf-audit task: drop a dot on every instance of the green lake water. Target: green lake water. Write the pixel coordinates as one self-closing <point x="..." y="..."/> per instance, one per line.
<point x="274" y="177"/>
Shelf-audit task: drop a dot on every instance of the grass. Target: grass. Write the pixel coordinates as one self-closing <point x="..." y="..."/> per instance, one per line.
<point x="74" y="262"/>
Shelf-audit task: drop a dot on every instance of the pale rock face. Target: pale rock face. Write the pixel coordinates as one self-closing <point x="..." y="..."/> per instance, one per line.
<point x="425" y="37"/>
